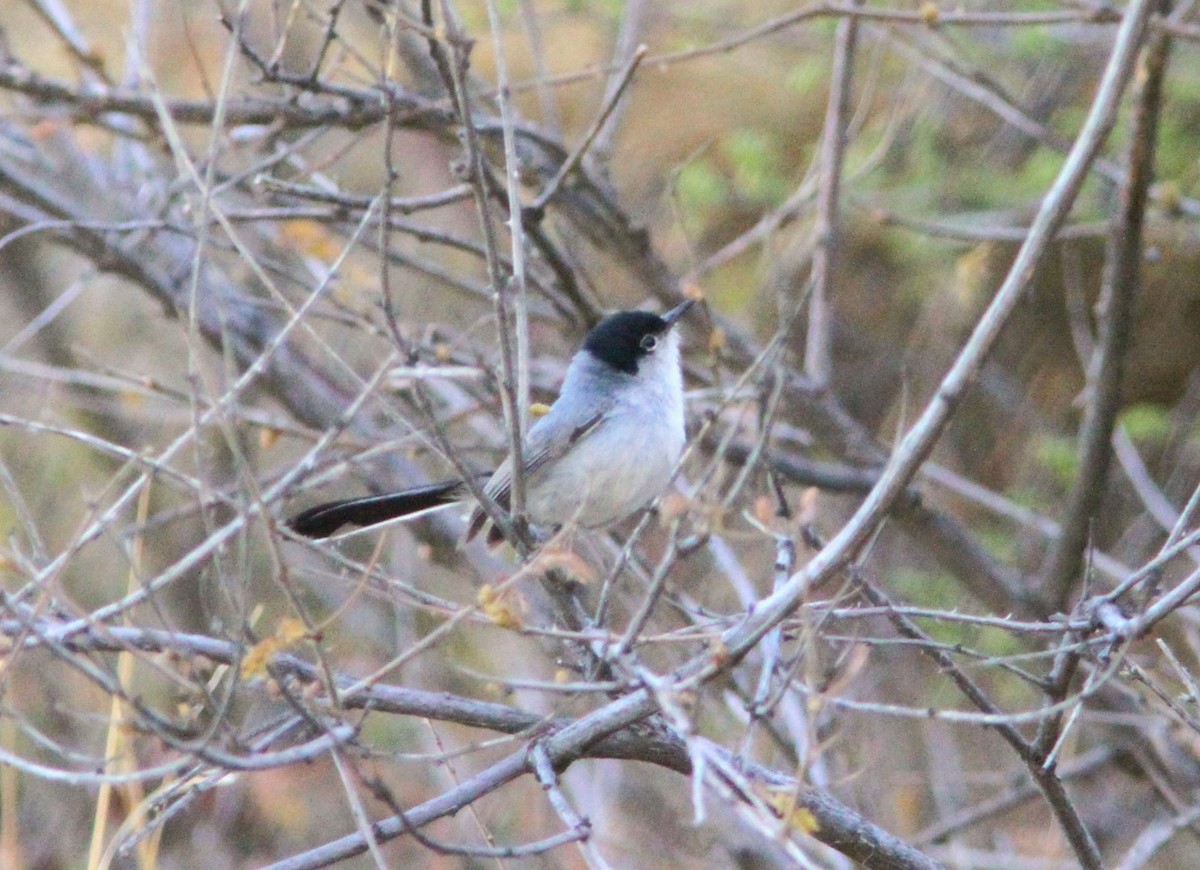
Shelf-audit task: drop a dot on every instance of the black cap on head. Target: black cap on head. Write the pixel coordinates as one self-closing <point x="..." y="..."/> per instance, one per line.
<point x="621" y="339"/>
<point x="624" y="338"/>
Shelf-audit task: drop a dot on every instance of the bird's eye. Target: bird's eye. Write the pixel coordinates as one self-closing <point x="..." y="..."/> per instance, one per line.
<point x="649" y="343"/>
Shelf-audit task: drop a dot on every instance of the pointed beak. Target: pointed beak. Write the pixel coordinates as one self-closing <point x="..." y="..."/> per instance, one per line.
<point x="672" y="316"/>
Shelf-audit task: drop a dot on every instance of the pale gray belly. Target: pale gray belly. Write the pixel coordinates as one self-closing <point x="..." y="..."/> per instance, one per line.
<point x="580" y="488"/>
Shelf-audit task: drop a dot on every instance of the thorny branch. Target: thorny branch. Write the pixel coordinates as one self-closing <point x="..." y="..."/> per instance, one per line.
<point x="258" y="247"/>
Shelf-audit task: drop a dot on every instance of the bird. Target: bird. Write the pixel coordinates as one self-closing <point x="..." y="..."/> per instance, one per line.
<point x="607" y="447"/>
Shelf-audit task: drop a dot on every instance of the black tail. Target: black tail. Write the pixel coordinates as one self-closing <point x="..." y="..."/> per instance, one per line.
<point x="325" y="519"/>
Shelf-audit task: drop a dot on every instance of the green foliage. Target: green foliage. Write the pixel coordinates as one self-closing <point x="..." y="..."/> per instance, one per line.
<point x="1177" y="139"/>
<point x="999" y="541"/>
<point x="700" y="188"/>
<point x="925" y="589"/>
<point x="1027" y="497"/>
<point x="921" y="155"/>
<point x="1039" y="171"/>
<point x="940" y="591"/>
<point x="1057" y="455"/>
<point x="398" y="733"/>
<point x="756" y="166"/>
<point x="1033" y="43"/>
<point x="807" y="77"/>
<point x="609" y="9"/>
<point x="1146" y="422"/>
<point x="1176" y="152"/>
<point x="995" y="189"/>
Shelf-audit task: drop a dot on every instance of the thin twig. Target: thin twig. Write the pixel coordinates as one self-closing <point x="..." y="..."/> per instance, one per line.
<point x="818" y="346"/>
<point x="1123" y="271"/>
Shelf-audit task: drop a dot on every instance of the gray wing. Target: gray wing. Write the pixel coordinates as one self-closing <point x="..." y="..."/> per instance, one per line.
<point x="548" y="440"/>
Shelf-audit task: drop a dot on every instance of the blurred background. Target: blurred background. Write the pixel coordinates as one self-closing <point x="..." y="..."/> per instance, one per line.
<point x="236" y="240"/>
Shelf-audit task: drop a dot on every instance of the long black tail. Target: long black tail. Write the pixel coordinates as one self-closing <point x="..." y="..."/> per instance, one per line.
<point x="325" y="519"/>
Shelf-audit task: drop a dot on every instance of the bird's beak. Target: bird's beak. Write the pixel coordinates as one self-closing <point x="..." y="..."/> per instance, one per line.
<point x="677" y="312"/>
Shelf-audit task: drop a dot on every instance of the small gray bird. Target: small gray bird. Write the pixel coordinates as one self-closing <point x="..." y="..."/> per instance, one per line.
<point x="606" y="448"/>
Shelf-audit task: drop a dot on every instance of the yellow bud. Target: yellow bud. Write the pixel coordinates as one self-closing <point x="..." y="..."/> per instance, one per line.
<point x="799" y="818"/>
<point x="503" y="610"/>
<point x="267" y="436"/>
<point x="764" y="509"/>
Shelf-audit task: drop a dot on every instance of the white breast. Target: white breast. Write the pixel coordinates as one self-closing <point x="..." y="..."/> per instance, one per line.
<point x="627" y="460"/>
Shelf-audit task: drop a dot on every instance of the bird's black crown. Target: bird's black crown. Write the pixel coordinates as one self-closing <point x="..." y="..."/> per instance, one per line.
<point x="620" y="339"/>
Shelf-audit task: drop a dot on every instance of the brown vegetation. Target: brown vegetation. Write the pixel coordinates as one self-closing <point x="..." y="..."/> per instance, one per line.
<point x="922" y="593"/>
